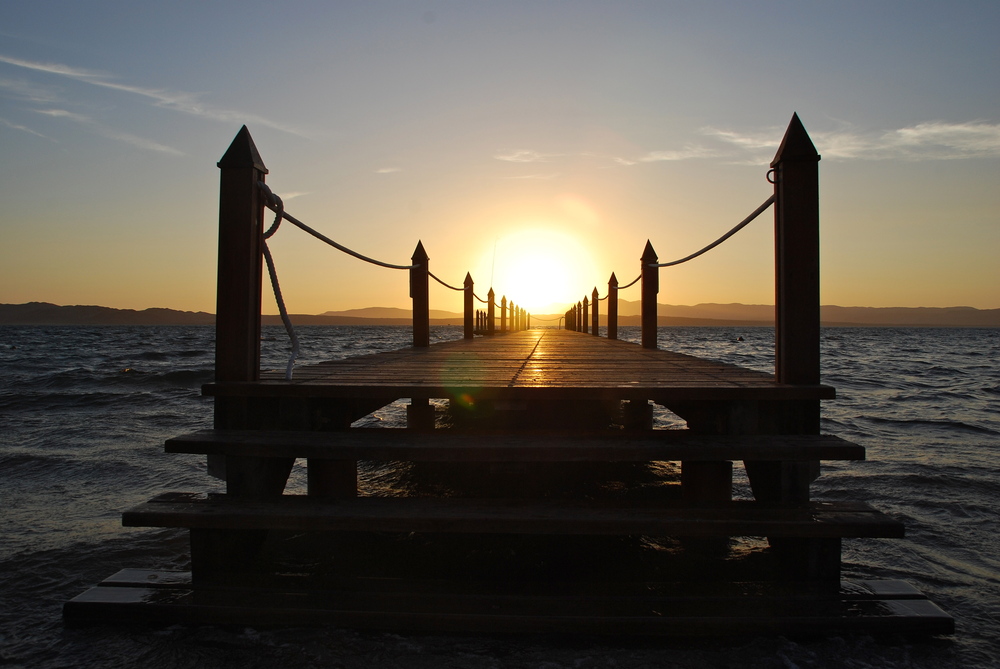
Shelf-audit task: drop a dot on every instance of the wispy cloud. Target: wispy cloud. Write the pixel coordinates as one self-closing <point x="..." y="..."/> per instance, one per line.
<point x="16" y="126"/>
<point x="387" y="170"/>
<point x="687" y="153"/>
<point x="552" y="175"/>
<point x="523" y="156"/>
<point x="110" y="133"/>
<point x="932" y="140"/>
<point x="180" y="101"/>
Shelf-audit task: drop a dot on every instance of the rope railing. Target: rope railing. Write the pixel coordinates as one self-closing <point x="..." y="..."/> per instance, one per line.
<point x="276" y="287"/>
<point x="431" y="275"/>
<point x="739" y="226"/>
<point x="630" y="283"/>
<point x="270" y="202"/>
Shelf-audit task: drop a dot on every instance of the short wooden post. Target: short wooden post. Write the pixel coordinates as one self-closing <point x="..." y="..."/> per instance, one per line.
<point x="594" y="299"/>
<point x="585" y="320"/>
<point x="491" y="316"/>
<point x="468" y="305"/>
<point x="503" y="314"/>
<point x="796" y="257"/>
<point x="650" y="288"/>
<point x="419" y="275"/>
<point x="579" y="316"/>
<point x="613" y="307"/>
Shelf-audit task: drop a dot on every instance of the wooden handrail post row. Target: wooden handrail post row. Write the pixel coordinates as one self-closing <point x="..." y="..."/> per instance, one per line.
<point x="650" y="288"/>
<point x="594" y="299"/>
<point x="491" y="317"/>
<point x="468" y="306"/>
<point x="613" y="307"/>
<point x="585" y="321"/>
<point x="419" y="276"/>
<point x="796" y="258"/>
<point x="241" y="239"/>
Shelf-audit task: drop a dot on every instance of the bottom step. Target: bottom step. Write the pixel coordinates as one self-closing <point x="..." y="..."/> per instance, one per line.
<point x="673" y="610"/>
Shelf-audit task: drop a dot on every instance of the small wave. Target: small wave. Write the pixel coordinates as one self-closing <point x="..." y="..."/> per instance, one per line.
<point x="942" y="423"/>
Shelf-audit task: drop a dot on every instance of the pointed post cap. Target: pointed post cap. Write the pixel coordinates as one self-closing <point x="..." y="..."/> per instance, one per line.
<point x="613" y="281"/>
<point x="648" y="254"/>
<point x="503" y="300"/>
<point x="585" y="301"/>
<point x="796" y="144"/>
<point x="242" y="153"/>
<point x="419" y="255"/>
<point x="491" y="294"/>
<point x="468" y="280"/>
<point x="595" y="295"/>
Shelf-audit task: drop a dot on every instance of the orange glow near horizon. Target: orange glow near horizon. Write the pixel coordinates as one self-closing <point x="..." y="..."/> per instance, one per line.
<point x="541" y="269"/>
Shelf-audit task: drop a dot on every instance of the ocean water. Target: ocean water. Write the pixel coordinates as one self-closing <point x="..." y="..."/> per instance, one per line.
<point x="84" y="412"/>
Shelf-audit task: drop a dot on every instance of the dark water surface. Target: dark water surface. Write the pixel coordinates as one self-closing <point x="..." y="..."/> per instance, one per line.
<point x="84" y="412"/>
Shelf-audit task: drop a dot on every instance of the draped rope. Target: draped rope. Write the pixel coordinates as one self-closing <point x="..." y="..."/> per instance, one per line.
<point x="742" y="224"/>
<point x="270" y="201"/>
<point x="279" y="208"/>
<point x="630" y="283"/>
<point x="431" y="274"/>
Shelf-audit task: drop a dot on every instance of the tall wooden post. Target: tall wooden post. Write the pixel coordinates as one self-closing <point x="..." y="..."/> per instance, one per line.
<point x="491" y="317"/>
<point x="503" y="314"/>
<point x="613" y="307"/>
<point x="796" y="257"/>
<point x="585" y="321"/>
<point x="650" y="288"/>
<point x="579" y="316"/>
<point x="419" y="275"/>
<point x="241" y="212"/>
<point x="468" y="306"/>
<point x="594" y="299"/>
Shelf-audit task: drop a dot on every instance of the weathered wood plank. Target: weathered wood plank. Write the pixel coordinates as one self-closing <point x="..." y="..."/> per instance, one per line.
<point x="457" y="446"/>
<point x="511" y="516"/>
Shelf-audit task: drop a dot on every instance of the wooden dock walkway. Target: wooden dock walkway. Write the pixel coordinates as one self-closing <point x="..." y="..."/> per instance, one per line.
<point x="544" y="499"/>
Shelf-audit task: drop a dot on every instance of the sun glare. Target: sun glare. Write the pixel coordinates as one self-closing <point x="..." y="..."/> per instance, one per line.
<point x="541" y="269"/>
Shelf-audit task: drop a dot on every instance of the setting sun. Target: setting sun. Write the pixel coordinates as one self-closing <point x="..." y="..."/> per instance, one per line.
<point x="541" y="269"/>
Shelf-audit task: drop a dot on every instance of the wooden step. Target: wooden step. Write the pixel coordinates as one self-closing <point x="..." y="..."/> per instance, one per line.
<point x="456" y="446"/>
<point x="671" y="610"/>
<point x="512" y="516"/>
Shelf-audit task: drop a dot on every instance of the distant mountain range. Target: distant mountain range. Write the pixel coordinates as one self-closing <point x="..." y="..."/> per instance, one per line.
<point x="43" y="313"/>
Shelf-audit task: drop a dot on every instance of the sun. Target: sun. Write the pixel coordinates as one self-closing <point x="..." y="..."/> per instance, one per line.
<point x="541" y="269"/>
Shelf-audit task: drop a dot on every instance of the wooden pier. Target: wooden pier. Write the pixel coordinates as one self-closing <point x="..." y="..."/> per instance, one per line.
<point x="545" y="501"/>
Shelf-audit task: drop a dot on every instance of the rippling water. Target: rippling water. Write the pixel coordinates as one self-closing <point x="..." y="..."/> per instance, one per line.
<point x="84" y="412"/>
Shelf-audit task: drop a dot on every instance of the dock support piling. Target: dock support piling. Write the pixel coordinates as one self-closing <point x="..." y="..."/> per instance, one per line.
<point x="419" y="276"/>
<point x="613" y="307"/>
<point x="468" y="306"/>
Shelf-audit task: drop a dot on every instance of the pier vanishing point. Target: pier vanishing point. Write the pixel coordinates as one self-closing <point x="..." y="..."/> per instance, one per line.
<point x="539" y="497"/>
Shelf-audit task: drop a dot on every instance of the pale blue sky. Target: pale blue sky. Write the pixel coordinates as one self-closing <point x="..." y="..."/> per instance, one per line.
<point x="567" y="131"/>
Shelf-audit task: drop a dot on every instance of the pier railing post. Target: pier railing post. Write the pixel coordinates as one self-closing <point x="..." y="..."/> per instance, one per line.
<point x="579" y="317"/>
<point x="594" y="299"/>
<point x="241" y="230"/>
<point x="585" y="321"/>
<point x="796" y="251"/>
<point x="491" y="316"/>
<point x="613" y="307"/>
<point x="419" y="292"/>
<point x="503" y="314"/>
<point x="650" y="288"/>
<point x="468" y="307"/>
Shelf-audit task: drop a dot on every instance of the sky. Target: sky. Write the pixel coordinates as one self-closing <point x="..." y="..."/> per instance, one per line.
<point x="536" y="145"/>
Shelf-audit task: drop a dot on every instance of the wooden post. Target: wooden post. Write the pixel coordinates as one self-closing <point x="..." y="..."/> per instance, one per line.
<point x="503" y="314"/>
<point x="613" y="307"/>
<point x="491" y="317"/>
<point x="579" y="317"/>
<point x="585" y="320"/>
<point x="796" y="257"/>
<point x="594" y="299"/>
<point x="419" y="292"/>
<point x="468" y="307"/>
<point x="241" y="211"/>
<point x="650" y="288"/>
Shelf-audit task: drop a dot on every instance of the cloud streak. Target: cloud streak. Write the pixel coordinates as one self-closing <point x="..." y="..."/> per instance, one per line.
<point x="110" y="133"/>
<point x="187" y="103"/>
